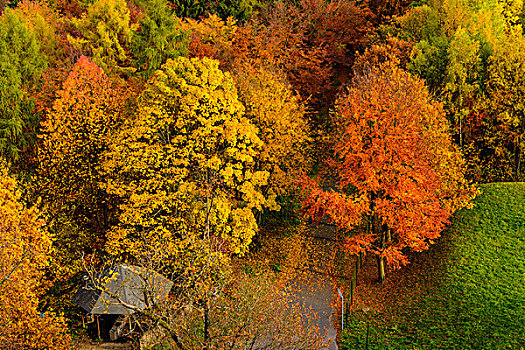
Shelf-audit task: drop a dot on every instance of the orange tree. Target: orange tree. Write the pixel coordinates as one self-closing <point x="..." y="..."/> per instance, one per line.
<point x="24" y="257"/>
<point x="395" y="168"/>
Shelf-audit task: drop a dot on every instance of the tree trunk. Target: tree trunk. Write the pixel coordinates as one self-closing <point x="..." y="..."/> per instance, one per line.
<point x="388" y="235"/>
<point x="173" y="334"/>
<point x="518" y="168"/>
<point x="521" y="131"/>
<point x="518" y="157"/>
<point x="207" y="231"/>
<point x="381" y="270"/>
<point x="461" y="130"/>
<point x="206" y="324"/>
<point x="383" y="232"/>
<point x="376" y="227"/>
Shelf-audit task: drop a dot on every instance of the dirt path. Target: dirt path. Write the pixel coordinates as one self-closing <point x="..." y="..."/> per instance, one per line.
<point x="314" y="289"/>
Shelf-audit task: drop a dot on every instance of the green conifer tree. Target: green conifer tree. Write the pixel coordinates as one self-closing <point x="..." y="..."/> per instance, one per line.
<point x="160" y="37"/>
<point x="21" y="64"/>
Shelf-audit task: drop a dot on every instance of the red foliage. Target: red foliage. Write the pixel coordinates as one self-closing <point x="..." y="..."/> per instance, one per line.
<point x="69" y="8"/>
<point x="385" y="9"/>
<point x="198" y="48"/>
<point x="312" y="41"/>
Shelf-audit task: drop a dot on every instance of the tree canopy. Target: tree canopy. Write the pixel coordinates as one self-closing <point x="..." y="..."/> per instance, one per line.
<point x="394" y="167"/>
<point x="21" y="64"/>
<point x="184" y="166"/>
<point x="187" y="134"/>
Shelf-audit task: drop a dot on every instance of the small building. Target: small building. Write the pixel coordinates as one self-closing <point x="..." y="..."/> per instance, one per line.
<point x="121" y="290"/>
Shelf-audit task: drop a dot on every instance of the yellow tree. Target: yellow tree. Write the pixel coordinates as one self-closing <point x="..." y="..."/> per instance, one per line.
<point x="183" y="167"/>
<point x="506" y="93"/>
<point x="269" y="101"/>
<point x="280" y="118"/>
<point x="462" y="76"/>
<point x="24" y="257"/>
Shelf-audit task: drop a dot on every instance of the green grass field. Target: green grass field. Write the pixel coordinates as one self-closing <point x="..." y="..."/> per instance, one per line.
<point x="466" y="292"/>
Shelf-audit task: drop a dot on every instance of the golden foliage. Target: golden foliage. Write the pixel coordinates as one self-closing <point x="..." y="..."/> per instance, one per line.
<point x="73" y="138"/>
<point x="24" y="256"/>
<point x="505" y="99"/>
<point x="43" y="20"/>
<point x="184" y="166"/>
<point x="106" y="31"/>
<point x="211" y="37"/>
<point x="280" y="118"/>
<point x="394" y="50"/>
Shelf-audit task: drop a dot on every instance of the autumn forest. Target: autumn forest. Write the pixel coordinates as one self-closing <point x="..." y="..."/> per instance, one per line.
<point x="173" y="171"/>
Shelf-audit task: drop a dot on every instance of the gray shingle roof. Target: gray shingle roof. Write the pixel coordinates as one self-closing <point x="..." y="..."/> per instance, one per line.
<point x="133" y="285"/>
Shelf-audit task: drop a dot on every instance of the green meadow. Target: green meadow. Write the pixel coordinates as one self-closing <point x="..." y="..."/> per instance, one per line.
<point x="466" y="292"/>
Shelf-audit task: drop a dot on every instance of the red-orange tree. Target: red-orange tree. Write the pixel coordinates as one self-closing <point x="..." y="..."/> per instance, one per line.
<point x="85" y="115"/>
<point x="396" y="169"/>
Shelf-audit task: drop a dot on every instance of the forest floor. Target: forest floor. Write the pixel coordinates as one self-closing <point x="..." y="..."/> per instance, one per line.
<point x="316" y="293"/>
<point x="466" y="292"/>
<point x="302" y="259"/>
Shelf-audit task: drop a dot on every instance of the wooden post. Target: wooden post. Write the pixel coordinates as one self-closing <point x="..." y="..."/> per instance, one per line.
<point x="98" y="328"/>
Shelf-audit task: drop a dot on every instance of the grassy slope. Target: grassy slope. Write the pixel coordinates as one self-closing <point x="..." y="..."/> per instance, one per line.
<point x="467" y="292"/>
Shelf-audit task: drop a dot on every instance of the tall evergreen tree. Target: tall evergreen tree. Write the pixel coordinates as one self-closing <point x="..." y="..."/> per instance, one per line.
<point x="21" y="64"/>
<point x="160" y="37"/>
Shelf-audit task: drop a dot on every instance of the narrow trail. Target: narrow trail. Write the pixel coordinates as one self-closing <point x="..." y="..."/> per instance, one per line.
<point x="313" y="289"/>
